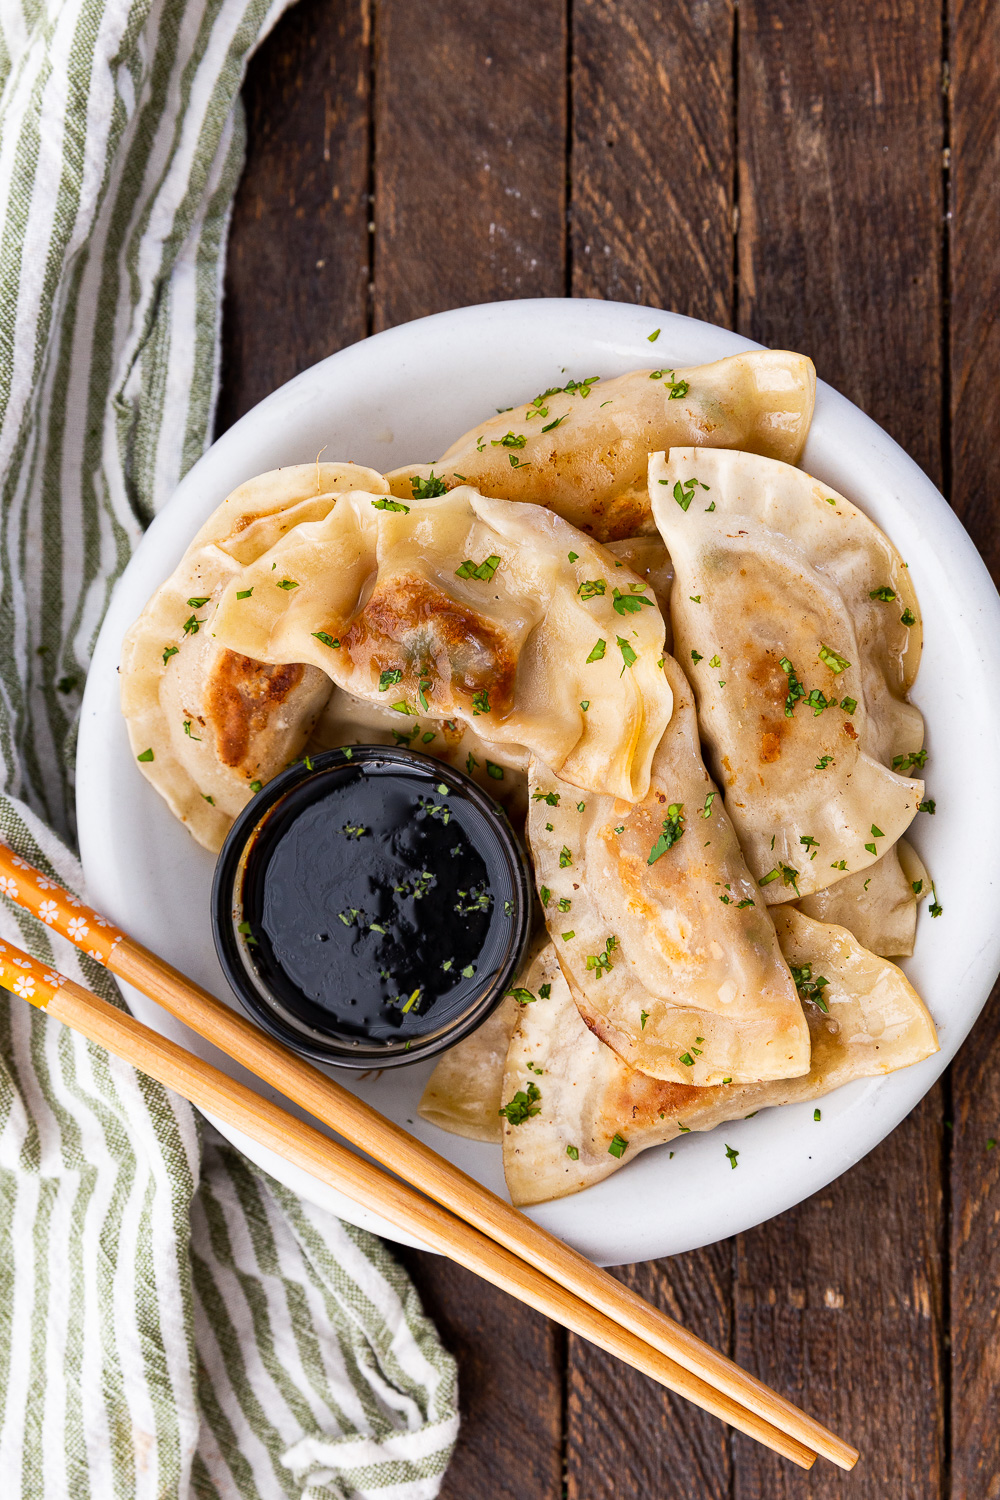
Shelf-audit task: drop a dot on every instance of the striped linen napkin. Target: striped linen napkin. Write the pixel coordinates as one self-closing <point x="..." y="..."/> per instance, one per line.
<point x="173" y="1322"/>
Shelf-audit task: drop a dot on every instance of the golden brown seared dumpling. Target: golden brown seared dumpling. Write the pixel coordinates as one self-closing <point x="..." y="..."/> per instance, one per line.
<point x="501" y="616"/>
<point x="661" y="930"/>
<point x="582" y="450"/>
<point x="797" y="623"/>
<point x="206" y="722"/>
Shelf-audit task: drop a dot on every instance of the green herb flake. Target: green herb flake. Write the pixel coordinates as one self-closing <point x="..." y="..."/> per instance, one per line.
<point x="255" y="786"/>
<point x="731" y="1156"/>
<point x="555" y="423"/>
<point x="287" y="584"/>
<point x="573" y="1153"/>
<point x="652" y="337"/>
<point x="849" y="705"/>
<point x="823" y="762"/>
<point x="573" y="556"/>
<point x="600" y="963"/>
<point x="480" y="703"/>
<point x="192" y="625"/>
<point x="567" y="935"/>
<point x="673" y="829"/>
<point x="643" y="1018"/>
<point x="592" y="588"/>
<point x="907" y="617"/>
<point x="810" y="988"/>
<point x="389" y="678"/>
<point x="618" y="1147"/>
<point x="523" y="1105"/>
<point x="696" y="657"/>
<point x="168" y="652"/>
<point x="928" y="805"/>
<point x="686" y="1059"/>
<point x="817" y="1114"/>
<point x="795" y="688"/>
<point x="683" y="492"/>
<point x="598" y="652"/>
<point x="325" y="639"/>
<point x="833" y="660"/>
<point x="146" y="756"/>
<point x="509" y="440"/>
<point x="386" y="504"/>
<point x="771" y="875"/>
<point x="522" y="996"/>
<point x="484" y="571"/>
<point x="429" y="488"/>
<point x="904" y="763"/>
<point x="585" y="704"/>
<point x="629" y="657"/>
<point x="885" y="593"/>
<point x="544" y="991"/>
<point x="565" y="858"/>
<point x="630" y="603"/>
<point x="494" y="770"/>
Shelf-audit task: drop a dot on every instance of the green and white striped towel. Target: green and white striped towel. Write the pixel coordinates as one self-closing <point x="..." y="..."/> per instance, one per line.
<point x="173" y="1323"/>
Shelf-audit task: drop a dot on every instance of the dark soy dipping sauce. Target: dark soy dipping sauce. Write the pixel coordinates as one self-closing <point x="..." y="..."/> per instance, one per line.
<point x="372" y="910"/>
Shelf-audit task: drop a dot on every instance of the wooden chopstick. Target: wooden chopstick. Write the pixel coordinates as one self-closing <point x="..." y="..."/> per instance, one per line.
<point x="363" y="1182"/>
<point x="403" y="1154"/>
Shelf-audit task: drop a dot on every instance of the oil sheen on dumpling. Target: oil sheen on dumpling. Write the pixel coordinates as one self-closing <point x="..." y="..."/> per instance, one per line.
<point x="581" y="450"/>
<point x="797" y="623"/>
<point x="592" y="1114"/>
<point x="659" y="926"/>
<point x="206" y="722"/>
<point x="460" y="607"/>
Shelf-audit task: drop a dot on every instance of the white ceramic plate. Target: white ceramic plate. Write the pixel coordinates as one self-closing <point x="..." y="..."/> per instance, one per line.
<point x="403" y="396"/>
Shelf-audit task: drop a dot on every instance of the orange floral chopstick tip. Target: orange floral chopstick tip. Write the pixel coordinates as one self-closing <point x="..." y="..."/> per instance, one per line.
<point x="47" y="900"/>
<point x="25" y="976"/>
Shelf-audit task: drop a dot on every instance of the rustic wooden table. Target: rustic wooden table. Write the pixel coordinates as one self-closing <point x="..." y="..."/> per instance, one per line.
<point x="822" y="175"/>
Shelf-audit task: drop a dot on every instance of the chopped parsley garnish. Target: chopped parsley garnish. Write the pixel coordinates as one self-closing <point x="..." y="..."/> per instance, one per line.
<point x="168" y="652"/>
<point x="732" y="1154"/>
<point x="598" y="651"/>
<point x="470" y="762"/>
<point x="243" y="593"/>
<point x="771" y="875"/>
<point x="848" y="705"/>
<point x="706" y="811"/>
<point x="683" y="492"/>
<point x="255" y="786"/>
<point x="916" y="886"/>
<point x="807" y="840"/>
<point x="629" y="657"/>
<point x="572" y="556"/>
<point x="522" y="996"/>
<point x="885" y="593"/>
<point x="325" y="639"/>
<point x="817" y="701"/>
<point x="833" y="660"/>
<point x="928" y="805"/>
<point x="187" y="731"/>
<point x="544" y="991"/>
<point x="573" y="1153"/>
<point x="643" y="1018"/>
<point x="480" y="703"/>
<point x="523" y="1105"/>
<point x="389" y="678"/>
<point x="600" y="963"/>
<point x="200" y="602"/>
<point x="244" y="928"/>
<point x="686" y="1059"/>
<point x="652" y="337"/>
<point x="545" y="895"/>
<point x="795" y="688"/>
<point x="789" y="876"/>
<point x="715" y="661"/>
<point x="810" y="988"/>
<point x="509" y="440"/>
<point x="695" y="598"/>
<point x="404" y="708"/>
<point x="631" y="603"/>
<point x="494" y="770"/>
<point x="484" y="571"/>
<point x="839" y="864"/>
<point x="823" y="762"/>
<point x="288" y="584"/>
<point x="673" y="829"/>
<point x="817" y="1114"/>
<point x="555" y="422"/>
<point x="192" y="624"/>
<point x="592" y="588"/>
<point x="145" y="755"/>
<point x="618" y="1147"/>
<point x="567" y="935"/>
<point x="386" y="504"/>
<point x="565" y="858"/>
<point x="354" y="830"/>
<point x="564" y="904"/>
<point x="585" y="704"/>
<point x="696" y="657"/>
<point x="551" y="799"/>
<point x="429" y="488"/>
<point x="906" y="762"/>
<point x="907" y="617"/>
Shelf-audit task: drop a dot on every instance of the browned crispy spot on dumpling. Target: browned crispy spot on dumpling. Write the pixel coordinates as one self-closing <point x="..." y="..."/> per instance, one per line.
<point x="242" y="697"/>
<point x="411" y="626"/>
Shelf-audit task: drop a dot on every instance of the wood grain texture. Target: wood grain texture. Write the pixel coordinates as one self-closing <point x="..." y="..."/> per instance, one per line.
<point x="510" y="1386"/>
<point x="470" y="154"/>
<point x="626" y="1436"/>
<point x="652" y="154"/>
<point x="297" y="270"/>
<point x="840" y="140"/>
<point x="975" y="475"/>
<point x="651" y="221"/>
<point x="840" y="198"/>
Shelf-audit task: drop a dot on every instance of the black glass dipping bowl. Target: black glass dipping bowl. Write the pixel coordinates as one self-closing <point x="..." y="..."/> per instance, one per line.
<point x="371" y="906"/>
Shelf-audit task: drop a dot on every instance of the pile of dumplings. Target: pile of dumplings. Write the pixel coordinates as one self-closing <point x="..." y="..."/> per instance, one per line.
<point x="680" y="663"/>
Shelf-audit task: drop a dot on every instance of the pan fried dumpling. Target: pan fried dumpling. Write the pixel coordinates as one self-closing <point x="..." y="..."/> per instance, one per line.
<point x="659" y="926"/>
<point x="878" y="905"/>
<point x="582" y="450"/>
<point x="205" y="722"/>
<point x="589" y="1100"/>
<point x="499" y="615"/>
<point x="798" y="625"/>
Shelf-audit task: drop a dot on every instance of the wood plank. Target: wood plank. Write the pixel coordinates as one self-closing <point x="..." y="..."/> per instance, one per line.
<point x="470" y="147"/>
<point x="627" y="1436"/>
<point x="840" y="130"/>
<point x="470" y="154"/>
<point x="652" y="172"/>
<point x="975" y="429"/>
<point x="651" y="180"/>
<point x="297" y="270"/>
<point x="510" y="1385"/>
